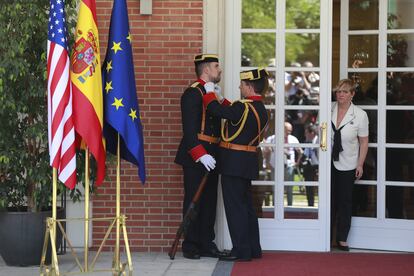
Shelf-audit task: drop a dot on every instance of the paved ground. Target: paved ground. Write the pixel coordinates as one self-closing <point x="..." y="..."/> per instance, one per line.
<point x="151" y="264"/>
<point x="154" y="264"/>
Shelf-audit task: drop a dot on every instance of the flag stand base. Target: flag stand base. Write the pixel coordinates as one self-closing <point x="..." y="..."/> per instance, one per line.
<point x="118" y="268"/>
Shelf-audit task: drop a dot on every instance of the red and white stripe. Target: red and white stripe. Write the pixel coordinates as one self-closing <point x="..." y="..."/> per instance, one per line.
<point x="61" y="132"/>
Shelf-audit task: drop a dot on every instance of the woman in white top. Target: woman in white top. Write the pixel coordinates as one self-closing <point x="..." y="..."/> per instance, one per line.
<point x="350" y="147"/>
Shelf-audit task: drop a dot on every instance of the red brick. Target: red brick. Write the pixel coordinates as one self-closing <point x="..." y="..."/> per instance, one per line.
<point x="164" y="45"/>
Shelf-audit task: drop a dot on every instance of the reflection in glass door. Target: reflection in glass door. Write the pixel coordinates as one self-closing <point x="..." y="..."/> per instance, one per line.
<point x="287" y="37"/>
<point x="377" y="51"/>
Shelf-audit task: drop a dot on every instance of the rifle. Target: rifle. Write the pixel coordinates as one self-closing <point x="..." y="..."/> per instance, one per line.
<point x="189" y="216"/>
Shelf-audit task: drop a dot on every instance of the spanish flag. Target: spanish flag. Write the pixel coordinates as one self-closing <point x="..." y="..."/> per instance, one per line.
<point x="87" y="86"/>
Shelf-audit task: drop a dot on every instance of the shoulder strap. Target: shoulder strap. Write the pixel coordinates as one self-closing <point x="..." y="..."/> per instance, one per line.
<point x="203" y="118"/>
<point x="259" y="129"/>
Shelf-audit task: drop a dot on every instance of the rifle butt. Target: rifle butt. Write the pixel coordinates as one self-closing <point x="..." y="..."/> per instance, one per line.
<point x="174" y="246"/>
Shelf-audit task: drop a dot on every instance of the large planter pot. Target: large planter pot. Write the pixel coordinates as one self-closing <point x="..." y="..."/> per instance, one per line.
<point x="22" y="236"/>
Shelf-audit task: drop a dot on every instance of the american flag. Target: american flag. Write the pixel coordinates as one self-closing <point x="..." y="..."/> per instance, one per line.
<point x="61" y="132"/>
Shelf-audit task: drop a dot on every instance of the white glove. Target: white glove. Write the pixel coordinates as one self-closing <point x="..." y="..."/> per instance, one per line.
<point x="208" y="161"/>
<point x="209" y="86"/>
<point x="217" y="90"/>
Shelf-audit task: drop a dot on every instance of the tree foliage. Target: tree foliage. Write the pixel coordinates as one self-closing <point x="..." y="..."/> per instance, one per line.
<point x="261" y="14"/>
<point x="25" y="174"/>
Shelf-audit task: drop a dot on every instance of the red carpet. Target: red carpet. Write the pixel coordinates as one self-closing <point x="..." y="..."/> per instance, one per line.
<point x="327" y="264"/>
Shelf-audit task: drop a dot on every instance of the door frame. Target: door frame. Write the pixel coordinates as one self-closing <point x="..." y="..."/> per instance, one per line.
<point x="278" y="233"/>
<point x="379" y="232"/>
<point x="369" y="233"/>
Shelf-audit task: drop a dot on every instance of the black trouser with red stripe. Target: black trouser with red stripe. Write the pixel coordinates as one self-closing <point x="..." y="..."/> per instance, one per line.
<point x="342" y="183"/>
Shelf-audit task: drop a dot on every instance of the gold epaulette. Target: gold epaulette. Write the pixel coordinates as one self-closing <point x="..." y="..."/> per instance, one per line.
<point x="243" y="101"/>
<point x="195" y="84"/>
<point x="246" y="101"/>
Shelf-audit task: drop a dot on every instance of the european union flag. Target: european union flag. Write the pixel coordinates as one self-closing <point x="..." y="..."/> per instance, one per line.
<point x="120" y="97"/>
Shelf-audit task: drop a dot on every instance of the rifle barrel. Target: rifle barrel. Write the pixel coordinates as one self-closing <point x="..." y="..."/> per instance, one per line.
<point x="187" y="217"/>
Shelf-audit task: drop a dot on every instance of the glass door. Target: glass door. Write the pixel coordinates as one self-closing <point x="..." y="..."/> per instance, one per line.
<point x="377" y="51"/>
<point x="292" y="39"/>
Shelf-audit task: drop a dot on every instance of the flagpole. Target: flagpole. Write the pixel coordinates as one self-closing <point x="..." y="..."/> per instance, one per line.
<point x="53" y="234"/>
<point x="86" y="209"/>
<point x="54" y="200"/>
<point x="118" y="201"/>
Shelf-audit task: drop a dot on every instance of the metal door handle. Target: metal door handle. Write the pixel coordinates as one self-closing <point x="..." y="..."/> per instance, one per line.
<point x="323" y="136"/>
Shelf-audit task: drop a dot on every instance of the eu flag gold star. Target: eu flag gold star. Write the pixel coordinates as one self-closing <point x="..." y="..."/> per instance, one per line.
<point x="133" y="114"/>
<point x="108" y="86"/>
<point x="116" y="46"/>
<point x="129" y="37"/>
<point x="108" y="66"/>
<point x="117" y="103"/>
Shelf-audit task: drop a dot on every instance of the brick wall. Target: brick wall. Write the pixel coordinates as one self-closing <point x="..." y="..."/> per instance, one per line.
<point x="164" y="45"/>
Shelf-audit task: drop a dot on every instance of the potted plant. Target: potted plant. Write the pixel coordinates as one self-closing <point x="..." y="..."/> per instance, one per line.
<point x="25" y="174"/>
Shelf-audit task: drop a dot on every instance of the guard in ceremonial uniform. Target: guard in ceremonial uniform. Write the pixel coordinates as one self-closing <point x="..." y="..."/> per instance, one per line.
<point x="196" y="154"/>
<point x="238" y="159"/>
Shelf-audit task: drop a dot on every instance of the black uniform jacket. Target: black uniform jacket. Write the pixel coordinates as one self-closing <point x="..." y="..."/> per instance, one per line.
<point x="236" y="162"/>
<point x="191" y="148"/>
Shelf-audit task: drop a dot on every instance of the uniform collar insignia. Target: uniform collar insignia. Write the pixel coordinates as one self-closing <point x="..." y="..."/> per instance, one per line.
<point x="255" y="98"/>
<point x="202" y="82"/>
